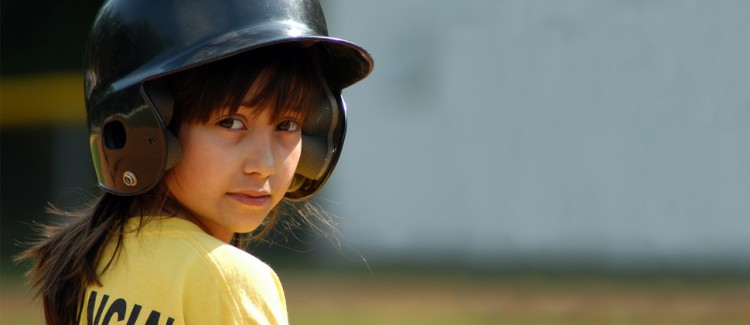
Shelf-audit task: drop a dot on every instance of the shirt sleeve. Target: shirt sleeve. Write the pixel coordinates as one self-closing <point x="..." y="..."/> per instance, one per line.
<point x="232" y="287"/>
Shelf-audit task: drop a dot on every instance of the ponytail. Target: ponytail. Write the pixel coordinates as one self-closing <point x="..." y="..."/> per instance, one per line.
<point x="65" y="261"/>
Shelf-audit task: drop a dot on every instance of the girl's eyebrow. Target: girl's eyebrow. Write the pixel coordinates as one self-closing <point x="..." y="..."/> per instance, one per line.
<point x="247" y="102"/>
<point x="252" y="103"/>
<point x="249" y="105"/>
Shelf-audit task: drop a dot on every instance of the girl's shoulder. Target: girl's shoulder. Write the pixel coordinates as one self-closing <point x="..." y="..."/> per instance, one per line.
<point x="179" y="237"/>
<point x="225" y="281"/>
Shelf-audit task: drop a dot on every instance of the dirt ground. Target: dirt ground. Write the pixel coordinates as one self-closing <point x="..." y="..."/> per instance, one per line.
<point x="346" y="298"/>
<point x="439" y="299"/>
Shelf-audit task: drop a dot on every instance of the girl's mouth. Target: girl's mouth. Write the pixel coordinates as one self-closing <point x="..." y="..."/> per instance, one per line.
<point x="251" y="200"/>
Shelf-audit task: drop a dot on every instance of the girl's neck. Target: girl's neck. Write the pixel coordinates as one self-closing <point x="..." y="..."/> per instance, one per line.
<point x="162" y="204"/>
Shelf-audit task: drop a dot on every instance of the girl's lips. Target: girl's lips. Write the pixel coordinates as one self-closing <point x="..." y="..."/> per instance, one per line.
<point x="251" y="200"/>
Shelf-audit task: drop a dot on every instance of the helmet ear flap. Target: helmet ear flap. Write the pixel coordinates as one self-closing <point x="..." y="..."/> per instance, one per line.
<point x="317" y="138"/>
<point x="159" y="93"/>
<point x="322" y="138"/>
<point x="174" y="150"/>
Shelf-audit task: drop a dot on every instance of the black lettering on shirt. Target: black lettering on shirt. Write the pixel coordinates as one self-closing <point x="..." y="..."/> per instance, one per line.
<point x="92" y="303"/>
<point x="134" y="314"/>
<point x="120" y="308"/>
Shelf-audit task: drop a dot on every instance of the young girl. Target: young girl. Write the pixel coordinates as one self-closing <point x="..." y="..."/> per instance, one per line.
<point x="204" y="116"/>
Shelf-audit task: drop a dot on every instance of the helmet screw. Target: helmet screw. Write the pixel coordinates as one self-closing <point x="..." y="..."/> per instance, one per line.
<point x="129" y="178"/>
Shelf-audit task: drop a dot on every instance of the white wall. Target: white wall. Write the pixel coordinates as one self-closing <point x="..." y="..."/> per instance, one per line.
<point x="517" y="132"/>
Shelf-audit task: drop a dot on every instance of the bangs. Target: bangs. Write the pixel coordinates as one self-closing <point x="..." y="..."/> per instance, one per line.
<point x="282" y="78"/>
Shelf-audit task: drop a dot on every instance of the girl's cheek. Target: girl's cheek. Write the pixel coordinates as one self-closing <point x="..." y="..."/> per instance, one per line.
<point x="290" y="142"/>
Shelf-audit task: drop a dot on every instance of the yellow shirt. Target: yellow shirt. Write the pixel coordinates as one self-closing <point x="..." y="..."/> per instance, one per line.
<point x="172" y="272"/>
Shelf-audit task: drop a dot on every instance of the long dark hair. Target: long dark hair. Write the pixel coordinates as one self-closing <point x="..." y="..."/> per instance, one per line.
<point x="69" y="258"/>
<point x="66" y="260"/>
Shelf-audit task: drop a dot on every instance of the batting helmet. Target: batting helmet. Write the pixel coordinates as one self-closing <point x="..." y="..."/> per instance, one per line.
<point x="134" y="43"/>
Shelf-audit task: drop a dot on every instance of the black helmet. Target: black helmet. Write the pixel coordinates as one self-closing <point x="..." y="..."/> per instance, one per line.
<point x="133" y="43"/>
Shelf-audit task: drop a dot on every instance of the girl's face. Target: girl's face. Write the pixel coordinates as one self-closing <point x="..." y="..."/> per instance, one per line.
<point x="235" y="168"/>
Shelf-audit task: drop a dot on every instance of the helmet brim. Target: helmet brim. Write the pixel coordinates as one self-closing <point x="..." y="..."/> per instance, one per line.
<point x="344" y="62"/>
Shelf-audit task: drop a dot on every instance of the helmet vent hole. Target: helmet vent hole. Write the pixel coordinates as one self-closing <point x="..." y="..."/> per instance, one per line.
<point x="113" y="135"/>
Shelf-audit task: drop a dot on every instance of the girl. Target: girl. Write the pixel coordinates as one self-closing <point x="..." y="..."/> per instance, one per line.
<point x="204" y="117"/>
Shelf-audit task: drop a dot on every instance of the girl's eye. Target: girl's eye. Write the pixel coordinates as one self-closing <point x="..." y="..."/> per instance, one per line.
<point x="231" y="123"/>
<point x="288" y="125"/>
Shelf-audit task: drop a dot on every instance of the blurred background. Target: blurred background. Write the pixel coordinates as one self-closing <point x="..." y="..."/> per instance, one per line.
<point x="507" y="162"/>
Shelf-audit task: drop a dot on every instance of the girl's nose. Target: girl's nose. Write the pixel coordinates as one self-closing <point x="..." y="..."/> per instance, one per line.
<point x="258" y="153"/>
